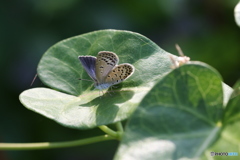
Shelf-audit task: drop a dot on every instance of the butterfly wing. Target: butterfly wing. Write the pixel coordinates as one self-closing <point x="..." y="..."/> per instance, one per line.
<point x="120" y="73"/>
<point x="88" y="63"/>
<point x="105" y="62"/>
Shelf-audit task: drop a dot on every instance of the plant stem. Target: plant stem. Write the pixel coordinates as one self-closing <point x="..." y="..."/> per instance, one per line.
<point x="119" y="126"/>
<point x="109" y="131"/>
<point x="50" y="145"/>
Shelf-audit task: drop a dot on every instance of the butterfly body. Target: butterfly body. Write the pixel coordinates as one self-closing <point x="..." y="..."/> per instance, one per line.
<point x="104" y="70"/>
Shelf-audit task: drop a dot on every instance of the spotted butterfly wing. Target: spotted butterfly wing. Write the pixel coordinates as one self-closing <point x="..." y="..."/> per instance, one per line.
<point x="105" y="62"/>
<point x="119" y="73"/>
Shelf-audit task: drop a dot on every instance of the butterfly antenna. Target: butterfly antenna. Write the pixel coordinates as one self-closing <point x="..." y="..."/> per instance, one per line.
<point x="33" y="79"/>
<point x="180" y="52"/>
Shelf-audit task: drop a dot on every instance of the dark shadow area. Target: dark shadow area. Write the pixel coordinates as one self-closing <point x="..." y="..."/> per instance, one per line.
<point x="109" y="105"/>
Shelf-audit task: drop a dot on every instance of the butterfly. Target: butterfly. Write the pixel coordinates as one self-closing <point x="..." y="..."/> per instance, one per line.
<point x="104" y="70"/>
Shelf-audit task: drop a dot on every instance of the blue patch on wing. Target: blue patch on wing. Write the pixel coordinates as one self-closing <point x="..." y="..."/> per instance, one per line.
<point x="88" y="62"/>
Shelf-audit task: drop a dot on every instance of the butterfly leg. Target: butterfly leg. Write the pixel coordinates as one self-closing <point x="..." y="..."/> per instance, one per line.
<point x="111" y="89"/>
<point x="114" y="86"/>
<point x="101" y="92"/>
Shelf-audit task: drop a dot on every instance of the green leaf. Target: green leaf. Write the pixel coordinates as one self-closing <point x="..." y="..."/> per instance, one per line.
<point x="232" y="111"/>
<point x="236" y="88"/>
<point x="231" y="132"/>
<point x="178" y="118"/>
<point x="237" y="14"/>
<point x="60" y="69"/>
<point x="222" y="145"/>
<point x="229" y="138"/>
<point x="227" y="93"/>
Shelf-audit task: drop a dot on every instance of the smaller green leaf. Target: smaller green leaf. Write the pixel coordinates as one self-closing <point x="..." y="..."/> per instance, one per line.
<point x="222" y="145"/>
<point x="231" y="131"/>
<point x="237" y="14"/>
<point x="232" y="111"/>
<point x="236" y="88"/>
<point x="229" y="139"/>
<point x="178" y="118"/>
<point x="227" y="93"/>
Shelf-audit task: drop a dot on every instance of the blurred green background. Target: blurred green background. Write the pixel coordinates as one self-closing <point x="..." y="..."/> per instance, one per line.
<point x="204" y="29"/>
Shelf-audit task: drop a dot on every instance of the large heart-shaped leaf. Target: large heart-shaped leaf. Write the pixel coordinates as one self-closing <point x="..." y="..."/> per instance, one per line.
<point x="60" y="69"/>
<point x="178" y="119"/>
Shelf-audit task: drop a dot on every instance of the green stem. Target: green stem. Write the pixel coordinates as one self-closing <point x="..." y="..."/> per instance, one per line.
<point x="119" y="127"/>
<point x="120" y="130"/>
<point x="109" y="131"/>
<point x="49" y="145"/>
